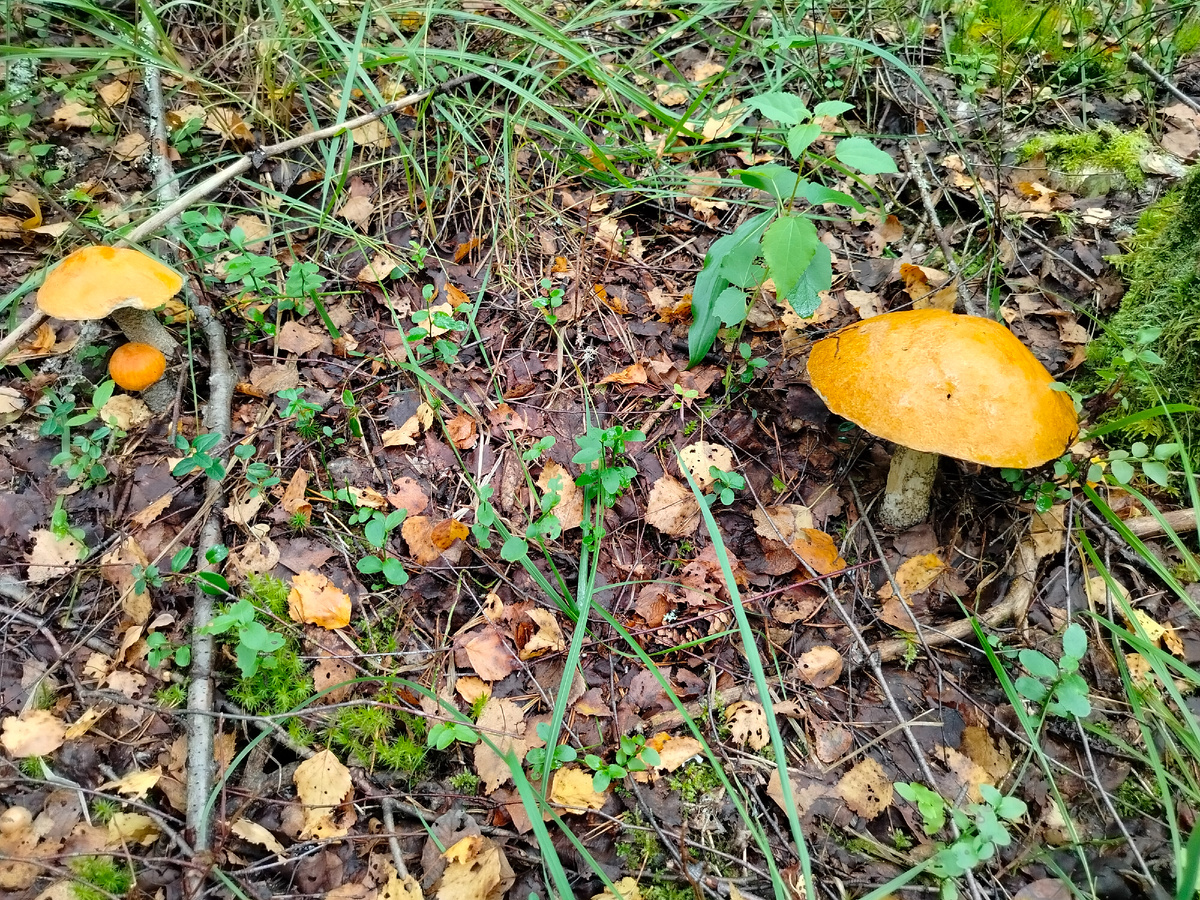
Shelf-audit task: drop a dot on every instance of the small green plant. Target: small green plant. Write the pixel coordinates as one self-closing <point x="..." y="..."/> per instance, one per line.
<point x="781" y="243"/>
<point x="171" y="696"/>
<point x="751" y="364"/>
<point x="161" y="649"/>
<point x="261" y="476"/>
<point x="101" y="877"/>
<point x="304" y="411"/>
<point x="725" y="484"/>
<point x="61" y="527"/>
<point x="695" y="781"/>
<point x="254" y="642"/>
<point x="103" y="809"/>
<point x="443" y="734"/>
<point x="563" y="753"/>
<point x="197" y="454"/>
<point x="1124" y="464"/>
<point x="378" y="527"/>
<point x="982" y="828"/>
<point x="378" y="735"/>
<point x="1044" y="494"/>
<point x="632" y="756"/>
<point x="1057" y="686"/>
<point x="466" y="783"/>
<point x="550" y="301"/>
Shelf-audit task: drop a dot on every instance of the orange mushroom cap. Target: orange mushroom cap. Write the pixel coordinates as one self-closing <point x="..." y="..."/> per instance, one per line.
<point x="93" y="281"/>
<point x="957" y="385"/>
<point x="135" y="366"/>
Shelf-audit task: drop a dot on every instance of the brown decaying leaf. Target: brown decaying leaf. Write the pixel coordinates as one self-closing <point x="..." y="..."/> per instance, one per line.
<point x="503" y="721"/>
<point x="699" y="457"/>
<point x="569" y="509"/>
<point x="315" y="600"/>
<point x="489" y="655"/>
<point x="915" y="575"/>
<point x="866" y="789"/>
<point x="818" y="550"/>
<point x="462" y="431"/>
<point x="672" y="508"/>
<point x="634" y="374"/>
<point x="547" y="638"/>
<point x="673" y="751"/>
<point x="820" y="666"/>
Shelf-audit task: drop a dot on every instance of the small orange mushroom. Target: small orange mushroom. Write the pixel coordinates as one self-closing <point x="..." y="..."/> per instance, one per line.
<point x="135" y="366"/>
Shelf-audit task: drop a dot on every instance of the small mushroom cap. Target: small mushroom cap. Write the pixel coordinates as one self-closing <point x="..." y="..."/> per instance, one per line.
<point x="93" y="281"/>
<point x="962" y="386"/>
<point x="135" y="366"/>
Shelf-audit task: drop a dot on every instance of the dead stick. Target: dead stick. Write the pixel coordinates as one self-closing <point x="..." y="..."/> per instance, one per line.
<point x="1165" y="83"/>
<point x="214" y="181"/>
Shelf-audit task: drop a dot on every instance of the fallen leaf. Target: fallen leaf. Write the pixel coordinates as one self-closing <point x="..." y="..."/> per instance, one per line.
<point x="726" y="117"/>
<point x="418" y="532"/>
<point x="257" y="834"/>
<point x="86" y="720"/>
<point x="462" y="431"/>
<point x="446" y="532"/>
<point x="625" y="889"/>
<point x="425" y="319"/>
<point x="548" y="638"/>
<point x="569" y="509"/>
<point x="865" y="303"/>
<point x="113" y="93"/>
<point x="408" y="495"/>
<point x="299" y="339"/>
<point x="915" y="575"/>
<point x="489" y="655"/>
<point x="699" y="457"/>
<point x="357" y="210"/>
<point x="672" y="508"/>
<point x="471" y="688"/>
<point x="73" y="115"/>
<point x="36" y="732"/>
<point x="747" y="721"/>
<point x="675" y="751"/>
<point x="572" y="789"/>
<point x="866" y="789"/>
<point x="132" y="146"/>
<point x="18" y="842"/>
<point x="229" y="124"/>
<point x="52" y="557"/>
<point x="397" y="888"/>
<point x="476" y="869"/>
<point x="380" y="268"/>
<point x="503" y="721"/>
<point x="132" y="828"/>
<point x="136" y="784"/>
<point x="316" y="600"/>
<point x="818" y="550"/>
<point x="783" y="522"/>
<point x="634" y="374"/>
<point x="372" y="134"/>
<point x="820" y="666"/>
<point x="293" y="500"/>
<point x="928" y="288"/>
<point x="323" y="785"/>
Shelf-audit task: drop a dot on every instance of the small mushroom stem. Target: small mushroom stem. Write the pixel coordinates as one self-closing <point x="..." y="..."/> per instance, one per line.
<point x="909" y="485"/>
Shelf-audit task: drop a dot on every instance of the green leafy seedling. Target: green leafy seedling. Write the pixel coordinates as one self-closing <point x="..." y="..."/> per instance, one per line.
<point x="443" y="734"/>
<point x="255" y="642"/>
<point x="563" y="753"/>
<point x="1059" y="687"/>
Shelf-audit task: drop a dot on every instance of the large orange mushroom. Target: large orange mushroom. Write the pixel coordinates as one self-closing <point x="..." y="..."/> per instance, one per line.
<point x="93" y="282"/>
<point x="938" y="383"/>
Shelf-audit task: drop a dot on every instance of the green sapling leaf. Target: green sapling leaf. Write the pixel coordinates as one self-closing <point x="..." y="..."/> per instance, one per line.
<point x="859" y="153"/>
<point x="789" y="245"/>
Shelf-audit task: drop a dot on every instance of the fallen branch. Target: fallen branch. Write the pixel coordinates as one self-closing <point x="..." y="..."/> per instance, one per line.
<point x="213" y="182"/>
<point x="1165" y="83"/>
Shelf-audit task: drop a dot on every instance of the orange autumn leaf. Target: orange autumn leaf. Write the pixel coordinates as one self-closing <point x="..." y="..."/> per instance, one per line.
<point x="635" y="374"/>
<point x="447" y="532"/>
<point x="463" y="250"/>
<point x="456" y="296"/>
<point x="316" y="600"/>
<point x="817" y="549"/>
<point x="461" y="430"/>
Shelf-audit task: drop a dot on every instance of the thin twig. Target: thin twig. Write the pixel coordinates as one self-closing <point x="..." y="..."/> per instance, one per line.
<point x="1165" y="83"/>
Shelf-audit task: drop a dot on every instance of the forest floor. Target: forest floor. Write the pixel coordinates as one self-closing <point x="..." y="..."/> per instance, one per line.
<point x="444" y="471"/>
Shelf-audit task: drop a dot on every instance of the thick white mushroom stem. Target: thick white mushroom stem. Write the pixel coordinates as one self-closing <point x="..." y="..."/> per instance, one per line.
<point x="909" y="486"/>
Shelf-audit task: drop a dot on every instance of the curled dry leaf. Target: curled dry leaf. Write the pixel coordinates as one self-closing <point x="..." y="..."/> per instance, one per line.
<point x="136" y="784"/>
<point x="462" y="432"/>
<point x="546" y="638"/>
<point x="673" y="752"/>
<point x="672" y="508"/>
<point x="747" y="721"/>
<point x="866" y="789"/>
<point x="132" y="828"/>
<point x="323" y="785"/>
<point x="36" y="732"/>
<point x="915" y="575"/>
<point x="634" y="374"/>
<point x="257" y="834"/>
<point x="820" y="666"/>
<point x="315" y="600"/>
<point x="818" y="550"/>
